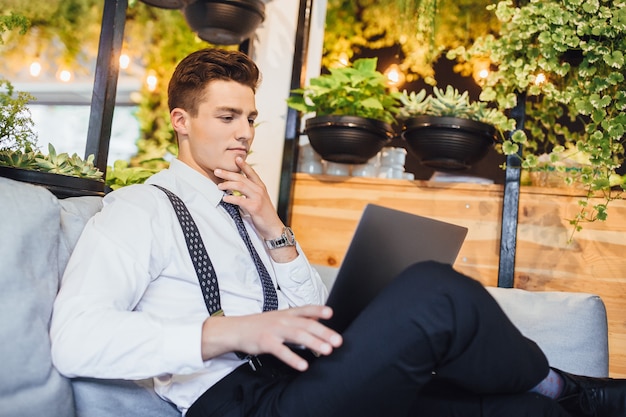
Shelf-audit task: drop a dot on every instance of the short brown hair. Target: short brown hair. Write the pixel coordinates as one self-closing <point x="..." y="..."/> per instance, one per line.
<point x="194" y="72"/>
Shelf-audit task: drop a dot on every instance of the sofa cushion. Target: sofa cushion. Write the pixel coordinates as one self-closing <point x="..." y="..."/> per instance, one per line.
<point x="30" y="224"/>
<point x="114" y="398"/>
<point x="75" y="212"/>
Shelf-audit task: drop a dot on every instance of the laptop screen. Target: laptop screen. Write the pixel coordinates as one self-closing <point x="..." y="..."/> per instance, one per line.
<point x="385" y="243"/>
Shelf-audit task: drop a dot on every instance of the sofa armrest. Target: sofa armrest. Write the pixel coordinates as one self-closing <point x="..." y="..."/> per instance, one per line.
<point x="571" y="328"/>
<point x="29" y="278"/>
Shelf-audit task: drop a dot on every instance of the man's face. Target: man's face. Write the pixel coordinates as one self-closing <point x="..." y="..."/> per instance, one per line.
<point x="222" y="130"/>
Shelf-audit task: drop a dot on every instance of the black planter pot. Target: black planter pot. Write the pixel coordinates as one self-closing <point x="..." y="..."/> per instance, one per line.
<point x="165" y="4"/>
<point x="224" y="22"/>
<point x="448" y="143"/>
<point x="347" y="139"/>
<point x="62" y="186"/>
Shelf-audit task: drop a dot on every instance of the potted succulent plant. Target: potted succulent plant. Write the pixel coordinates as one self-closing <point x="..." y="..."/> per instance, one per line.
<point x="354" y="112"/>
<point x="448" y="131"/>
<point x="567" y="59"/>
<point x="20" y="158"/>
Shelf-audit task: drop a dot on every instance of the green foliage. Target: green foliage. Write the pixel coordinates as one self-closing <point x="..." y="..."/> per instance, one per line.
<point x="450" y="102"/>
<point x="579" y="47"/>
<point x="422" y="30"/>
<point x="19" y="158"/>
<point x="54" y="163"/>
<point x="61" y="32"/>
<point x="16" y="124"/>
<point x="65" y="164"/>
<point x="357" y="90"/>
<point x="18" y="141"/>
<point x="121" y="175"/>
<point x="11" y="22"/>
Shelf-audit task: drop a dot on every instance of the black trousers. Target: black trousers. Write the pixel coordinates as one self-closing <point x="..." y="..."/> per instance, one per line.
<point x="433" y="343"/>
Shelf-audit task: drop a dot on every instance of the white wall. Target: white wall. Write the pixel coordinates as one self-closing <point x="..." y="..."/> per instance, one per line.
<point x="273" y="53"/>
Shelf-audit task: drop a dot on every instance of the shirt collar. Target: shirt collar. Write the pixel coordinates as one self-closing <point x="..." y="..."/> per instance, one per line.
<point x="197" y="181"/>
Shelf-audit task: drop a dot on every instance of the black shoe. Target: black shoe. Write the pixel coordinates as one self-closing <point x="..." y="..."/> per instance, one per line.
<point x="598" y="397"/>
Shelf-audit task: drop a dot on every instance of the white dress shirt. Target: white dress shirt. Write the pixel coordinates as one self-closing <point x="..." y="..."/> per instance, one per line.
<point x="130" y="305"/>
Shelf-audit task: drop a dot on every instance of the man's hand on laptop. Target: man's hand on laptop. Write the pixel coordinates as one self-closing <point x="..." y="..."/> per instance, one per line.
<point x="272" y="332"/>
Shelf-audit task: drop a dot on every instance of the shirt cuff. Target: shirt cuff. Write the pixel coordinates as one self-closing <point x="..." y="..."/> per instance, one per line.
<point x="296" y="271"/>
<point x="182" y="346"/>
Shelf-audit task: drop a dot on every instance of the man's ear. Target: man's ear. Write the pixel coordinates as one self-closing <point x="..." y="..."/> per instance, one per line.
<point x="178" y="118"/>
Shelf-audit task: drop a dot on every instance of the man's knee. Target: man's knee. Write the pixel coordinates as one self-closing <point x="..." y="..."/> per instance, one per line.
<point x="434" y="276"/>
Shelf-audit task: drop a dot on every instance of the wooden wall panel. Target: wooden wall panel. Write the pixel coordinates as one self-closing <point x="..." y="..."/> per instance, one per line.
<point x="326" y="210"/>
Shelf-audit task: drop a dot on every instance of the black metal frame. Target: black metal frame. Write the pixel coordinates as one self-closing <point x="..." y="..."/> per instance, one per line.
<point x="510" y="205"/>
<point x="105" y="82"/>
<point x="292" y="130"/>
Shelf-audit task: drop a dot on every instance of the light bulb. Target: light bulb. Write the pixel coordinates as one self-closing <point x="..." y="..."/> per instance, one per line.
<point x="65" y="76"/>
<point x="343" y="59"/>
<point x="124" y="61"/>
<point x="151" y="80"/>
<point x="540" y="78"/>
<point x="395" y="77"/>
<point x="35" y="69"/>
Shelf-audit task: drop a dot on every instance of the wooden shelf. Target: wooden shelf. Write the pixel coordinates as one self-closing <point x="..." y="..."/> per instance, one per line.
<point x="326" y="210"/>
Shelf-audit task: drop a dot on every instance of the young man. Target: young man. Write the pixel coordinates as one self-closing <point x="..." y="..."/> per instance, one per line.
<point x="214" y="330"/>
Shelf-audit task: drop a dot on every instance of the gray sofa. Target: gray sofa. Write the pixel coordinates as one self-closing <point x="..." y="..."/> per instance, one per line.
<point x="38" y="234"/>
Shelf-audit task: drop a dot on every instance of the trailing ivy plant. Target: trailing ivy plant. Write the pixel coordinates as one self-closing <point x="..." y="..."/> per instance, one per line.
<point x="567" y="58"/>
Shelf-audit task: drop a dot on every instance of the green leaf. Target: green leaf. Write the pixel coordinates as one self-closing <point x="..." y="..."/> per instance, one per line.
<point x="509" y="148"/>
<point x="615" y="59"/>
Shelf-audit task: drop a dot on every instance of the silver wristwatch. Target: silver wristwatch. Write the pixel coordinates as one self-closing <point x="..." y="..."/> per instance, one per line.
<point x="286" y="239"/>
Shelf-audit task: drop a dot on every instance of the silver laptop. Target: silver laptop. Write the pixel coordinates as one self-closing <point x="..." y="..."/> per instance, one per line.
<point x="385" y="243"/>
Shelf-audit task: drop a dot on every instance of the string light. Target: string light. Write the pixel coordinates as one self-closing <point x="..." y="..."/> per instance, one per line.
<point x="65" y="75"/>
<point x="395" y="77"/>
<point x="481" y="70"/>
<point x="35" y="69"/>
<point x="124" y="61"/>
<point x="151" y="81"/>
<point x="540" y="78"/>
<point x="343" y="59"/>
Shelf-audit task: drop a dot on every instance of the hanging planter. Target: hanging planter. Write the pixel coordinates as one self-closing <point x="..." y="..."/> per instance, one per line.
<point x="224" y="22"/>
<point x="354" y="112"/>
<point x="448" y="143"/>
<point x="347" y="139"/>
<point x="446" y="130"/>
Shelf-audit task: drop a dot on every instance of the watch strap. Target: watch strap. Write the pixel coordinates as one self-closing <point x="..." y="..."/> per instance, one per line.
<point x="287" y="238"/>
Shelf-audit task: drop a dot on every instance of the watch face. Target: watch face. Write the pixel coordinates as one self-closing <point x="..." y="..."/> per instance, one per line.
<point x="289" y="236"/>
